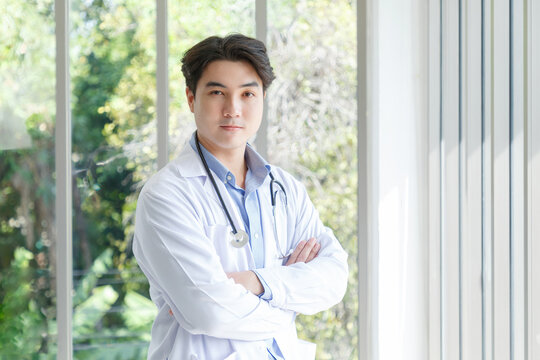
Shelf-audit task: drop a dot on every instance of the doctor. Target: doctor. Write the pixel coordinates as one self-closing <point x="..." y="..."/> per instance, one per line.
<point x="232" y="247"/>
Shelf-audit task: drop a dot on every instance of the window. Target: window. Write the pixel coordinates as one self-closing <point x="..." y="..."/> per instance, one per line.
<point x="114" y="125"/>
<point x="312" y="133"/>
<point x="112" y="55"/>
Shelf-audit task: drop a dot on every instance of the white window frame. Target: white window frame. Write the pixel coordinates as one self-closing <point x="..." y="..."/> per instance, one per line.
<point x="533" y="174"/>
<point x="63" y="207"/>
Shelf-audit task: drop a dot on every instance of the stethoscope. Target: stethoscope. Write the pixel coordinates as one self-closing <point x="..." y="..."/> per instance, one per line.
<point x="239" y="237"/>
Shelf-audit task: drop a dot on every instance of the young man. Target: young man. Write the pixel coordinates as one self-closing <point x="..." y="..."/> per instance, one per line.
<point x="232" y="247"/>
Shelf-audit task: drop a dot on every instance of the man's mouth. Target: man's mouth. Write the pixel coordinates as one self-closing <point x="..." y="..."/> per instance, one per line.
<point x="231" y="127"/>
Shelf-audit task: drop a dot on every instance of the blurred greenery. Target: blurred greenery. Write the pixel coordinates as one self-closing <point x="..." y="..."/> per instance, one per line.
<point x="112" y="51"/>
<point x="19" y="312"/>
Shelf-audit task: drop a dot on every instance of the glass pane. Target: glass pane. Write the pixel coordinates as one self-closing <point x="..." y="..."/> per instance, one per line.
<point x="189" y="23"/>
<point x="27" y="185"/>
<point x="312" y="111"/>
<point x="113" y="57"/>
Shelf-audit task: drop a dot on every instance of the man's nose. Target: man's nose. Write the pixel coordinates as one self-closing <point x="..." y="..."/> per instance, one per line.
<point x="232" y="108"/>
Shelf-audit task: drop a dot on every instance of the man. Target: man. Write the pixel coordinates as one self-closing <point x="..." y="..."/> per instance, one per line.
<point x="232" y="247"/>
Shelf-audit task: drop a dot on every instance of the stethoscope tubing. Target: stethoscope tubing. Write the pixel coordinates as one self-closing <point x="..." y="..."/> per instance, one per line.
<point x="205" y="164"/>
<point x="273" y="197"/>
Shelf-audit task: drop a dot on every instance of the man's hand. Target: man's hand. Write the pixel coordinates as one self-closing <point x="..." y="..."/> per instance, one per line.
<point x="305" y="252"/>
<point x="247" y="279"/>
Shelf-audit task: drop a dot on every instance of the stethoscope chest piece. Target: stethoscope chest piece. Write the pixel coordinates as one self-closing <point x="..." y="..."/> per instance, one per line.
<point x="239" y="239"/>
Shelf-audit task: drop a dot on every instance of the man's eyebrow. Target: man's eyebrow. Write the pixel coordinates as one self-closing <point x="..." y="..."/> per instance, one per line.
<point x="218" y="84"/>
<point x="215" y="83"/>
<point x="251" y="84"/>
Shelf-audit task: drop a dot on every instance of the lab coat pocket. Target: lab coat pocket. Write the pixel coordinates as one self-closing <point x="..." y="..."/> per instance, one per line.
<point x="232" y="258"/>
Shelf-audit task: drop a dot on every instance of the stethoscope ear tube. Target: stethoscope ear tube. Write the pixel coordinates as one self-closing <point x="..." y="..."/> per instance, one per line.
<point x="273" y="195"/>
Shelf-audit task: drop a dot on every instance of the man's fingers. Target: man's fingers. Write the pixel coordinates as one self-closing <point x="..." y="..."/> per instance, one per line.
<point x="296" y="252"/>
<point x="304" y="254"/>
<point x="314" y="252"/>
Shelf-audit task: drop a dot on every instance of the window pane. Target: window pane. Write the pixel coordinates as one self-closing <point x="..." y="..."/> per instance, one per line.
<point x="189" y="23"/>
<point x="27" y="185"/>
<point x="312" y="111"/>
<point x="114" y="147"/>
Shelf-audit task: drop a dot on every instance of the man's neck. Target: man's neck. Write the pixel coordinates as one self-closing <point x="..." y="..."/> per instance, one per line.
<point x="233" y="159"/>
<point x="236" y="163"/>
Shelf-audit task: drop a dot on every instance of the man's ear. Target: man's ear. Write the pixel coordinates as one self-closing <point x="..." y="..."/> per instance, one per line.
<point x="190" y="98"/>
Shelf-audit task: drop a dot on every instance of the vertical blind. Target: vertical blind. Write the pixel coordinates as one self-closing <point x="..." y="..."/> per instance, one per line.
<point x="484" y="169"/>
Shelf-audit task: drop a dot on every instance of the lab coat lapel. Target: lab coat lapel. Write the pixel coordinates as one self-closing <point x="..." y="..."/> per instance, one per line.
<point x="189" y="165"/>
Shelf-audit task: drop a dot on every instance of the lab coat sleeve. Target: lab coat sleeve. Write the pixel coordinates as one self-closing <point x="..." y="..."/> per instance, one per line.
<point x="319" y="284"/>
<point x="173" y="251"/>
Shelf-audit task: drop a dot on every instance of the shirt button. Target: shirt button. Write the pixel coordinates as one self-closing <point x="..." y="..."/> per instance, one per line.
<point x="229" y="177"/>
<point x="256" y="235"/>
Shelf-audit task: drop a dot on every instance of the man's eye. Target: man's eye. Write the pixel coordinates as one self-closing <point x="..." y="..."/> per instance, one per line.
<point x="216" y="92"/>
<point x="249" y="94"/>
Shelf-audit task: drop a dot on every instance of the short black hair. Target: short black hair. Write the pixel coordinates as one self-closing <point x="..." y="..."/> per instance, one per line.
<point x="234" y="47"/>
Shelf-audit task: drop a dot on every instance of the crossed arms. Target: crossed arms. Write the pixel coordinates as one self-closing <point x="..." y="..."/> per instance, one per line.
<point x="304" y="252"/>
<point x="187" y="277"/>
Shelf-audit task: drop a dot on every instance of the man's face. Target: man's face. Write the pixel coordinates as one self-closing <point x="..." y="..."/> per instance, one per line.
<point x="228" y="105"/>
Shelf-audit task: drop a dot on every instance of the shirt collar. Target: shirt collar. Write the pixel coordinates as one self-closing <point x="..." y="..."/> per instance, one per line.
<point x="255" y="162"/>
<point x="213" y="163"/>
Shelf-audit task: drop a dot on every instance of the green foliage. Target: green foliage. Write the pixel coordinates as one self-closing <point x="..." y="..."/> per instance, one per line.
<point x="99" y="268"/>
<point x="312" y="133"/>
<point x="87" y="314"/>
<point x="335" y="330"/>
<point x="96" y="332"/>
<point x="139" y="312"/>
<point x="103" y="181"/>
<point x="21" y="324"/>
<point x="121" y="351"/>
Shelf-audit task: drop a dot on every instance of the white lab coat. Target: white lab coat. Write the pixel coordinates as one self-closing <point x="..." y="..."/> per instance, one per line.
<point x="182" y="246"/>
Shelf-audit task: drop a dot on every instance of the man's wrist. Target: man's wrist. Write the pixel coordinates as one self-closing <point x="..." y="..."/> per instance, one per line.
<point x="267" y="291"/>
<point x="258" y="288"/>
<point x="249" y="280"/>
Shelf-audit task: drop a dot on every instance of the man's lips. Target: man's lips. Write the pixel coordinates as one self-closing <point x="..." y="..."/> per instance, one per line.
<point x="231" y="127"/>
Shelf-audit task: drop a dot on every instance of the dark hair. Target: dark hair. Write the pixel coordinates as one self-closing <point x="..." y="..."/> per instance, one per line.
<point x="234" y="47"/>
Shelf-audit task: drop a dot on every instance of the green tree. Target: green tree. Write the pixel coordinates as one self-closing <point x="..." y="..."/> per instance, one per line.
<point x="111" y="41"/>
<point x="27" y="309"/>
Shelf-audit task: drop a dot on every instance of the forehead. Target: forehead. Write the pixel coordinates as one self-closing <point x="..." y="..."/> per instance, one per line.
<point x="229" y="73"/>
